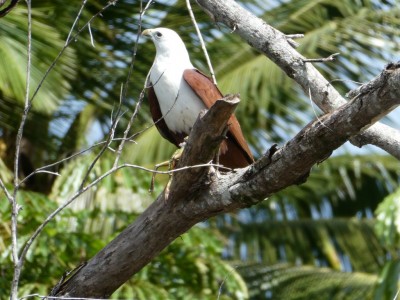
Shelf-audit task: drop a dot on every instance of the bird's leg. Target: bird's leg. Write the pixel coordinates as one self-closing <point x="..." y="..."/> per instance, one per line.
<point x="153" y="177"/>
<point x="224" y="136"/>
<point x="171" y="165"/>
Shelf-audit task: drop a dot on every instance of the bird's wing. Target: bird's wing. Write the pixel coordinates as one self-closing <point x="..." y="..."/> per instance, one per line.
<point x="206" y="90"/>
<point x="174" y="138"/>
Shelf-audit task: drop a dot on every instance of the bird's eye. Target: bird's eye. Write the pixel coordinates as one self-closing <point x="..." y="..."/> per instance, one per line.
<point x="158" y="34"/>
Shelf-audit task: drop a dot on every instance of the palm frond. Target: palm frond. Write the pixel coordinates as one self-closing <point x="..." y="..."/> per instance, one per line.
<point x="44" y="50"/>
<point x="340" y="243"/>
<point x="283" y="281"/>
<point x="388" y="222"/>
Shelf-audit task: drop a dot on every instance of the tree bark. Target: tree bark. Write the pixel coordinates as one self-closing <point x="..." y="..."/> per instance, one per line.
<point x="161" y="222"/>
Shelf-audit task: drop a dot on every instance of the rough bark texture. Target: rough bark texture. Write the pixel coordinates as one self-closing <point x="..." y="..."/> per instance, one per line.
<point x="274" y="44"/>
<point x="197" y="194"/>
<point x="163" y="221"/>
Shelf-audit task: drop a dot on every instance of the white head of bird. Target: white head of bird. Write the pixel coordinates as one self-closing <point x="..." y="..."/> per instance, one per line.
<point x="169" y="47"/>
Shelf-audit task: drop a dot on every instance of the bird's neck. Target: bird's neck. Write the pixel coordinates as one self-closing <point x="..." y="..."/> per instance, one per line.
<point x="176" y="59"/>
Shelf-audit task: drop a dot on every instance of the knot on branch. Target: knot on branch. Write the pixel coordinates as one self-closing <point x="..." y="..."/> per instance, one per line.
<point x="375" y="84"/>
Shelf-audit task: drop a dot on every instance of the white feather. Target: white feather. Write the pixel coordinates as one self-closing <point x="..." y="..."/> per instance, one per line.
<point x="179" y="105"/>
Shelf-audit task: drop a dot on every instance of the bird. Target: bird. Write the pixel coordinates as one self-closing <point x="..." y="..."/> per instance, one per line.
<point x="178" y="92"/>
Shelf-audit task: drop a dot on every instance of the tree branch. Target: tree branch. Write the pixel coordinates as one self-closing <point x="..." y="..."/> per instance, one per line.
<point x="196" y="194"/>
<point x="275" y="46"/>
<point x="292" y="163"/>
<point x="162" y="222"/>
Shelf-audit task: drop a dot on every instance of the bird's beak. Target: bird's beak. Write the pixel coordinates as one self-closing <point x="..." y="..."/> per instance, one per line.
<point x="147" y="32"/>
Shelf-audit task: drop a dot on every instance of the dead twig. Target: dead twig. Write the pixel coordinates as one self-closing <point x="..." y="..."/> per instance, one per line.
<point x="203" y="46"/>
<point x="331" y="57"/>
<point x="290" y="39"/>
<point x="125" y="87"/>
<point x="15" y="207"/>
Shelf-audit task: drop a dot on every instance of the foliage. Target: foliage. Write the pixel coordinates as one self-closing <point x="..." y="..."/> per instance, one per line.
<point x="191" y="265"/>
<point x="284" y="281"/>
<point x="387" y="216"/>
<point x="191" y="268"/>
<point x="329" y="227"/>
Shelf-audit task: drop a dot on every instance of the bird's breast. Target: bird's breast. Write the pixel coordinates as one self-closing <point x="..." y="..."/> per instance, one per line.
<point x="179" y="104"/>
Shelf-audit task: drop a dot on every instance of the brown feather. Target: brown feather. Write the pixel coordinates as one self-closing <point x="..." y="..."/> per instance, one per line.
<point x="174" y="138"/>
<point x="234" y="152"/>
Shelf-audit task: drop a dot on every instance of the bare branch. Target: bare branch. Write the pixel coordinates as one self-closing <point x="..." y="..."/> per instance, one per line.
<point x="92" y="184"/>
<point x="15" y="207"/>
<point x="43" y="169"/>
<point x="6" y="192"/>
<point x="124" y="91"/>
<point x="295" y="36"/>
<point x="78" y="16"/>
<point x="203" y="46"/>
<point x="68" y="42"/>
<point x="331" y="57"/>
<point x="290" y="38"/>
<point x="274" y="45"/>
<point x="292" y="163"/>
<point x="102" y="151"/>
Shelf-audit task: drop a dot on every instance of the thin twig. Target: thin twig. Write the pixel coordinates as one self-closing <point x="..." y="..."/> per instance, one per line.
<point x="294" y="36"/>
<point x="124" y="91"/>
<point x="203" y="46"/>
<point x="5" y="190"/>
<point x="169" y="172"/>
<point x="346" y="80"/>
<point x="315" y="113"/>
<point x="67" y="43"/>
<point x="18" y="261"/>
<point x="102" y="150"/>
<point x="223" y="281"/>
<point x="161" y="118"/>
<point x="62" y="160"/>
<point x="89" y="186"/>
<point x="397" y="294"/>
<point x="41" y="169"/>
<point x="290" y="39"/>
<point x="15" y="206"/>
<point x="62" y="297"/>
<point x="91" y="36"/>
<point x="331" y="57"/>
<point x="78" y="16"/>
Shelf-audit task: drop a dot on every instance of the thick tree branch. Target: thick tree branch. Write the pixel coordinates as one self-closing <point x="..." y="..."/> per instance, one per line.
<point x="198" y="195"/>
<point x="275" y="45"/>
<point x="162" y="222"/>
<point x="292" y="163"/>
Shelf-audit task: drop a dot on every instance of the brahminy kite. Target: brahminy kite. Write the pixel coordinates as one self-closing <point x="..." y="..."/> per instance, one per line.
<point x="178" y="92"/>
